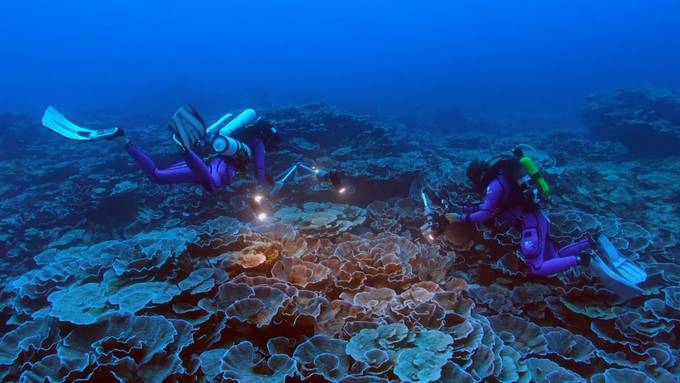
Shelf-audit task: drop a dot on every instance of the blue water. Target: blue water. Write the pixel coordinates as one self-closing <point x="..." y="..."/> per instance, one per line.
<point x="482" y="57"/>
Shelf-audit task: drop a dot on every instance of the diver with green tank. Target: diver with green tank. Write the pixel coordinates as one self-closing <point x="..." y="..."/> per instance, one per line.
<point x="515" y="191"/>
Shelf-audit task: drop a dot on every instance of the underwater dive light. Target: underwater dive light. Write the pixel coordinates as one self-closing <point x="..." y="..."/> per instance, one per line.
<point x="260" y="205"/>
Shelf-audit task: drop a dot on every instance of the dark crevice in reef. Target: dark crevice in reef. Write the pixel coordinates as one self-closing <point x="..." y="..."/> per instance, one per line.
<point x="363" y="191"/>
<point x="59" y="174"/>
<point x="646" y="121"/>
<point x="114" y="210"/>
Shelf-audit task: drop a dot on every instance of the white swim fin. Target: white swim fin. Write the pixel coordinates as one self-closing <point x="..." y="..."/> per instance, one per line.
<point x="617" y="273"/>
<point x="613" y="281"/>
<point x="61" y="125"/>
<point x="622" y="265"/>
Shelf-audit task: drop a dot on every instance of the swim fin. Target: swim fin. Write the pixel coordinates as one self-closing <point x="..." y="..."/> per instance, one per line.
<point x="187" y="127"/>
<point x="623" y="266"/>
<point x="61" y="125"/>
<point x="616" y="272"/>
<point x="613" y="281"/>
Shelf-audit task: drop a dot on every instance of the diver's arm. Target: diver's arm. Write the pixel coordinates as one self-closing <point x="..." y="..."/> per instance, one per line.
<point x="201" y="169"/>
<point x="485" y="212"/>
<point x="258" y="160"/>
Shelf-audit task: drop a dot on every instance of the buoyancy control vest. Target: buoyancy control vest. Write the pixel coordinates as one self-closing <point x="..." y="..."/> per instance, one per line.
<point x="519" y="167"/>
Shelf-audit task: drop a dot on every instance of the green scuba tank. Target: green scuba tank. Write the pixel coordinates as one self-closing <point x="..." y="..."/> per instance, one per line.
<point x="533" y="172"/>
<point x="534" y="187"/>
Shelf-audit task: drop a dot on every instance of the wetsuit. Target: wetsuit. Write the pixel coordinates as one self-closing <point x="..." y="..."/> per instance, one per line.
<point x="219" y="172"/>
<point x="503" y="199"/>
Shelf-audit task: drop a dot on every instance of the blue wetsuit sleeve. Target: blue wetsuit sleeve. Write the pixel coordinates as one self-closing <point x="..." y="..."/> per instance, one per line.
<point x="492" y="200"/>
<point x="200" y="169"/>
<point x="258" y="158"/>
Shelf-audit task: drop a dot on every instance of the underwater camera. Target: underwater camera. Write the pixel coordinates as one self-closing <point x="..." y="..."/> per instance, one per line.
<point x="436" y="222"/>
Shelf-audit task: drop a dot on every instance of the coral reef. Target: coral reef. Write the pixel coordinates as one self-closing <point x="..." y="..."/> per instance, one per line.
<point x="140" y="282"/>
<point x="647" y="121"/>
<point x="322" y="219"/>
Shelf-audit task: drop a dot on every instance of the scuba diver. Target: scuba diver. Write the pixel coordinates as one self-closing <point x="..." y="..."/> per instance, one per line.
<point x="245" y="138"/>
<point x="514" y="191"/>
<point x="233" y="142"/>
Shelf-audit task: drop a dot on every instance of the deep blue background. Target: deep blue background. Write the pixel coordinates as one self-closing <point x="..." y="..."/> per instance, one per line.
<point x="490" y="58"/>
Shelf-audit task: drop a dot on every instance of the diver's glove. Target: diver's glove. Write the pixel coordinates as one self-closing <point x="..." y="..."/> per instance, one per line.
<point x="452" y="217"/>
<point x="592" y="236"/>
<point x="119" y="135"/>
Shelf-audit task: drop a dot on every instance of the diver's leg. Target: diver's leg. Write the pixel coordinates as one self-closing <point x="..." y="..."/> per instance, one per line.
<point x="532" y="241"/>
<point x="556" y="265"/>
<point x="557" y="261"/>
<point x="573" y="249"/>
<point x="259" y="151"/>
<point x="538" y="250"/>
<point x="176" y="174"/>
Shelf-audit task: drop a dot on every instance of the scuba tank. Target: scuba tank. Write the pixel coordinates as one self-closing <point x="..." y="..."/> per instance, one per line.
<point x="246" y="117"/>
<point x="223" y="143"/>
<point x="219" y="127"/>
<point x="534" y="187"/>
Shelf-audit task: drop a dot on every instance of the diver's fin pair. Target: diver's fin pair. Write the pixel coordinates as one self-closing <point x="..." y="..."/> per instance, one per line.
<point x="616" y="272"/>
<point x="187" y="127"/>
<point x="61" y="125"/>
<point x="623" y="266"/>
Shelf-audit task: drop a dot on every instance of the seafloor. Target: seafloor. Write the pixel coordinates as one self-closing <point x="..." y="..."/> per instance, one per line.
<point x="108" y="277"/>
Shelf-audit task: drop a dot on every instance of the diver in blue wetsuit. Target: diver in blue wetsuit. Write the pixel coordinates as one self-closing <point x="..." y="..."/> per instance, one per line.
<point x="243" y="139"/>
<point x="506" y="197"/>
<point x="221" y="169"/>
